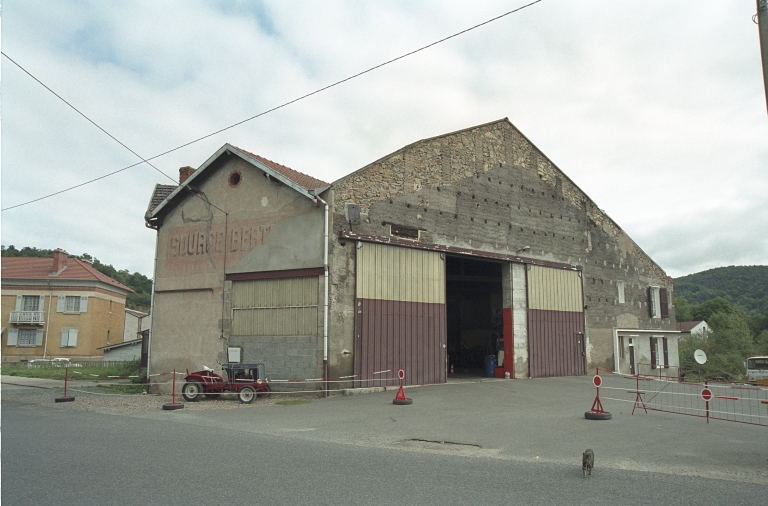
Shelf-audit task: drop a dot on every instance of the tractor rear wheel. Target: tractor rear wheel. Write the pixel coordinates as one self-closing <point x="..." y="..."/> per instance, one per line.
<point x="192" y="391"/>
<point x="246" y="395"/>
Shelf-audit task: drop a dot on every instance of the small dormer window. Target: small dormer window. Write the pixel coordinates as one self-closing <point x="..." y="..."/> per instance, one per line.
<point x="235" y="178"/>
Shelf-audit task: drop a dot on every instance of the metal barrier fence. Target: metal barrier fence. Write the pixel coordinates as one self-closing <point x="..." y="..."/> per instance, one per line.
<point x="733" y="402"/>
<point x="72" y="363"/>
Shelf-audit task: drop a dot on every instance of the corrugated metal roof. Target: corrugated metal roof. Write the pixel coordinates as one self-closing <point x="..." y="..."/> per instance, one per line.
<point x="41" y="268"/>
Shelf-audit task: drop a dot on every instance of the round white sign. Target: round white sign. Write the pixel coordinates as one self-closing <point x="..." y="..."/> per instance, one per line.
<point x="699" y="356"/>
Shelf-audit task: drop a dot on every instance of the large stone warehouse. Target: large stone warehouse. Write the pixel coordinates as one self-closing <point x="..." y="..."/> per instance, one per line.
<point x="435" y="257"/>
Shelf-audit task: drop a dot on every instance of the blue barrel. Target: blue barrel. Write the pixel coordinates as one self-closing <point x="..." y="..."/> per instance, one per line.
<point x="490" y="365"/>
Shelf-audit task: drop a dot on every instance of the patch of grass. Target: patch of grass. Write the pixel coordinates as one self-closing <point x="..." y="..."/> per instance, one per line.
<point x="75" y="373"/>
<point x="293" y="402"/>
<point x="122" y="389"/>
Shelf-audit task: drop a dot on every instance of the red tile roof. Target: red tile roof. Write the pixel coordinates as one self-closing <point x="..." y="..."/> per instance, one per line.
<point x="687" y="326"/>
<point x="161" y="192"/>
<point x="308" y="182"/>
<point x="40" y="268"/>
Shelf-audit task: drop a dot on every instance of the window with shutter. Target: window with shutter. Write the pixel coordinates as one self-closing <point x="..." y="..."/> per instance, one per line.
<point x="620" y="286"/>
<point x="654" y="302"/>
<point x="664" y="304"/>
<point x="73" y="304"/>
<point x="68" y="338"/>
<point x="84" y="304"/>
<point x="666" y="352"/>
<point x="31" y="303"/>
<point x="653" y="353"/>
<point x="61" y="304"/>
<point x="13" y="337"/>
<point x="28" y="337"/>
<point x="39" y="337"/>
<point x="650" y="302"/>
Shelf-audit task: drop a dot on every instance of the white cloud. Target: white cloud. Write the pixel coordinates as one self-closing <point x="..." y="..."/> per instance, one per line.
<point x="656" y="110"/>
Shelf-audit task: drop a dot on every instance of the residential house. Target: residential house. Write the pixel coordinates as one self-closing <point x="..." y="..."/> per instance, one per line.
<point x="123" y="352"/>
<point x="59" y="307"/>
<point x="698" y="327"/>
<point x="434" y="257"/>
<point x="135" y="323"/>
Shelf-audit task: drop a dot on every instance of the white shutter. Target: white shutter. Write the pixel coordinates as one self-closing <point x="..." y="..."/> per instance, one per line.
<point x="13" y="337"/>
<point x="83" y="304"/>
<point x="41" y="307"/>
<point x="61" y="304"/>
<point x="64" y="337"/>
<point x="39" y="337"/>
<point x="18" y="302"/>
<point x="73" y="337"/>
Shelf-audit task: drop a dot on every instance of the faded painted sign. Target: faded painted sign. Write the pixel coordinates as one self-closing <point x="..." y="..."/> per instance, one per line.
<point x="202" y="247"/>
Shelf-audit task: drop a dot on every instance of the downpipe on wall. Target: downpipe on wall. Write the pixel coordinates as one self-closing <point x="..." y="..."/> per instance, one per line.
<point x="325" y="298"/>
<point x="152" y="309"/>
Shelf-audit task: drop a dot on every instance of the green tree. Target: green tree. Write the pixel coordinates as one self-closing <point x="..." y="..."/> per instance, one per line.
<point x="683" y="311"/>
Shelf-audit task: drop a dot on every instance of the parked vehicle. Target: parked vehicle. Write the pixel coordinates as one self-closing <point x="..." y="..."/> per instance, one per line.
<point x="757" y="370"/>
<point x="247" y="380"/>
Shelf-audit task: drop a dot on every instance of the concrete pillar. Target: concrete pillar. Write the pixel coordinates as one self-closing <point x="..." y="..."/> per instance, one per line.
<point x="515" y="316"/>
<point x="520" y="319"/>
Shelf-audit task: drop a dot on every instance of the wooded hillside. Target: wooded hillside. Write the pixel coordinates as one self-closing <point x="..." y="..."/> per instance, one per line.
<point x="743" y="286"/>
<point x="734" y="303"/>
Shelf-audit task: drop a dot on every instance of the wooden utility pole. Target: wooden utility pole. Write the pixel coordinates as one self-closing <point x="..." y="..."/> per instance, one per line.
<point x="762" y="22"/>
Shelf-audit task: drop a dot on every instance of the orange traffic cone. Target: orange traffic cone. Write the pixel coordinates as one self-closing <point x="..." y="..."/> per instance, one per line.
<point x="401" y="399"/>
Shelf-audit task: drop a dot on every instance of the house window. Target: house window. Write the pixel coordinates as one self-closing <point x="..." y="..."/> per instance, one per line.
<point x="27" y="337"/>
<point x="68" y="338"/>
<point x="31" y="303"/>
<point x="658" y="305"/>
<point x="620" y="286"/>
<point x="659" y="353"/>
<point x="73" y="305"/>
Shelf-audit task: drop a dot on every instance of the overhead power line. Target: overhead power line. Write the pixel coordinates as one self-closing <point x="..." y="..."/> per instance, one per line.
<point x="324" y="88"/>
<point x="143" y="160"/>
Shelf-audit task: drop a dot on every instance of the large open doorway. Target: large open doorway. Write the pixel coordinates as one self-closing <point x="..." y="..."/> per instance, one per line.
<point x="474" y="302"/>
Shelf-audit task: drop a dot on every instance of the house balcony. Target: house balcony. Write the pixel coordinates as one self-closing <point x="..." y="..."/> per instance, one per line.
<point x="27" y="317"/>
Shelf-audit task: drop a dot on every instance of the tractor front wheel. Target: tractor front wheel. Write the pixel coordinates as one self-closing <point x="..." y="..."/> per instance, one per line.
<point x="246" y="395"/>
<point x="192" y="391"/>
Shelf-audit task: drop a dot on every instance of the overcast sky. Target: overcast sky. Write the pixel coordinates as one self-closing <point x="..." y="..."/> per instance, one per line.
<point x="655" y="109"/>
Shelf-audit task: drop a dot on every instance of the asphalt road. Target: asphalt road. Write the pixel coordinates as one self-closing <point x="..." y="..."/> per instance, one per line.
<point x="503" y="443"/>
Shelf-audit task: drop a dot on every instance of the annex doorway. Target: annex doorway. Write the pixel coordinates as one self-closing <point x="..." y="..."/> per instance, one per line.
<point x="474" y="302"/>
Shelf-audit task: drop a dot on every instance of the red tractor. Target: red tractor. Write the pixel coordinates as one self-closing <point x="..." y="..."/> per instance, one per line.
<point x="247" y="380"/>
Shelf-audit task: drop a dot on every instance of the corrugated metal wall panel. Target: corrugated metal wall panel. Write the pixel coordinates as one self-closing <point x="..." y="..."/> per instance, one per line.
<point x="275" y="307"/>
<point x="392" y="273"/>
<point x="275" y="292"/>
<point x="555" y="322"/>
<point x="400" y="319"/>
<point x="396" y="333"/>
<point x="556" y="343"/>
<point x="554" y="289"/>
